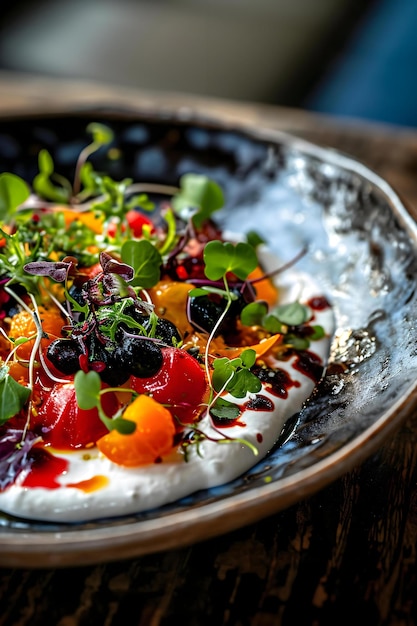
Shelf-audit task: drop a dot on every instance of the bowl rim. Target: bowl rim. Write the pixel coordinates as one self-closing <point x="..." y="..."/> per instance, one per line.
<point x="114" y="542"/>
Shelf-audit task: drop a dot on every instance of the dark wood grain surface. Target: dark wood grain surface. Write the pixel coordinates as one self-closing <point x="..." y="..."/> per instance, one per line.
<point x="346" y="554"/>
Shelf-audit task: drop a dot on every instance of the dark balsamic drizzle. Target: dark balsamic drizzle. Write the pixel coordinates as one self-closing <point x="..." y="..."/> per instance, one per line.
<point x="277" y="381"/>
<point x="259" y="403"/>
<point x="309" y="364"/>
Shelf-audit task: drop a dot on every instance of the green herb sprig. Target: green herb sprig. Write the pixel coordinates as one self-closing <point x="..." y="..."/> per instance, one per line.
<point x="288" y="319"/>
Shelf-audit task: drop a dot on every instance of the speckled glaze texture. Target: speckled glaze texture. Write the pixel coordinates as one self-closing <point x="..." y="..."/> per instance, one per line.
<point x="361" y="247"/>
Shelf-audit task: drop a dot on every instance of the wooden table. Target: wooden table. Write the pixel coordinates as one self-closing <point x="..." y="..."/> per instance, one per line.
<point x="347" y="553"/>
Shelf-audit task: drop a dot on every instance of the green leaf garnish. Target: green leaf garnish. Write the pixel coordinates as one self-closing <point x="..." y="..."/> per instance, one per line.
<point x="288" y="319"/>
<point x="87" y="389"/>
<point x="101" y="134"/>
<point x="44" y="185"/>
<point x="200" y="193"/>
<point x="13" y="396"/>
<point x="13" y="192"/>
<point x="145" y="260"/>
<point x="224" y="257"/>
<point x="88" y="393"/>
<point x="318" y="333"/>
<point x="293" y="314"/>
<point x="224" y="410"/>
<point x="233" y="375"/>
<point x="254" y="313"/>
<point x="254" y="239"/>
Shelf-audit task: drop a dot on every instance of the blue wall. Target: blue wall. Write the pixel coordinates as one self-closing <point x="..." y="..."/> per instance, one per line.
<point x="376" y="76"/>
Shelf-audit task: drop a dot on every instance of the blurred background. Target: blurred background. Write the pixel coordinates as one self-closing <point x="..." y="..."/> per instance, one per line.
<point x="351" y="58"/>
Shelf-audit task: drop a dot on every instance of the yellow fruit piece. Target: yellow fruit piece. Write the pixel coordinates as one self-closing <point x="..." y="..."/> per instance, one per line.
<point x="170" y="300"/>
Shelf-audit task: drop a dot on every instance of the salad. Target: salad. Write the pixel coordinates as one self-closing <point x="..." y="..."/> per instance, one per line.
<point x="136" y="339"/>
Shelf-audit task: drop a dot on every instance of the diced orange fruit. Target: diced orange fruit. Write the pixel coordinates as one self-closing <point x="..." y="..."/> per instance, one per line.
<point x="151" y="440"/>
<point x="20" y="373"/>
<point x="23" y="325"/>
<point x="88" y="218"/>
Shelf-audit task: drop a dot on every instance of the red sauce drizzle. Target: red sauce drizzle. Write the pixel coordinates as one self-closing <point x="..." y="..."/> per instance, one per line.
<point x="309" y="364"/>
<point x="45" y="470"/>
<point x="319" y="303"/>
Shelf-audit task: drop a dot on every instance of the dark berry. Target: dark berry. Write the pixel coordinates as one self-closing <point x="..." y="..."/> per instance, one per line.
<point x="64" y="355"/>
<point x="205" y="312"/>
<point x="167" y="332"/>
<point x="103" y="359"/>
<point x="141" y="357"/>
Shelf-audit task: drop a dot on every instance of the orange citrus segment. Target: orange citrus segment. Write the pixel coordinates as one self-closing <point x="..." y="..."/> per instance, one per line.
<point x="152" y="439"/>
<point x="260" y="348"/>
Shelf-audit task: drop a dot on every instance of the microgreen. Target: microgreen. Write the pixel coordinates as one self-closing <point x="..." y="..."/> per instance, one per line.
<point x="13" y="396"/>
<point x="145" y="260"/>
<point x="234" y="375"/>
<point x="102" y="135"/>
<point x="49" y="185"/>
<point x="14" y="454"/>
<point x="224" y="410"/>
<point x="171" y="234"/>
<point x="43" y="238"/>
<point x="13" y="192"/>
<point x="197" y="436"/>
<point x="199" y="196"/>
<point x="224" y="257"/>
<point x="13" y="258"/>
<point x="287" y="319"/>
<point x="254" y="239"/>
<point x="88" y="393"/>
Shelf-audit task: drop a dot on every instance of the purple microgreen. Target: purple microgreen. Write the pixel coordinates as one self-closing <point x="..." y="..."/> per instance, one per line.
<point x="111" y="266"/>
<point x="15" y="446"/>
<point x="57" y="270"/>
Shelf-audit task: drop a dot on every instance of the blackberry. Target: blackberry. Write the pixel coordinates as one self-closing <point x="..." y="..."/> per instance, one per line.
<point x="206" y="310"/>
<point x="64" y="355"/>
<point x="112" y="371"/>
<point x="167" y="332"/>
<point x="140" y="357"/>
